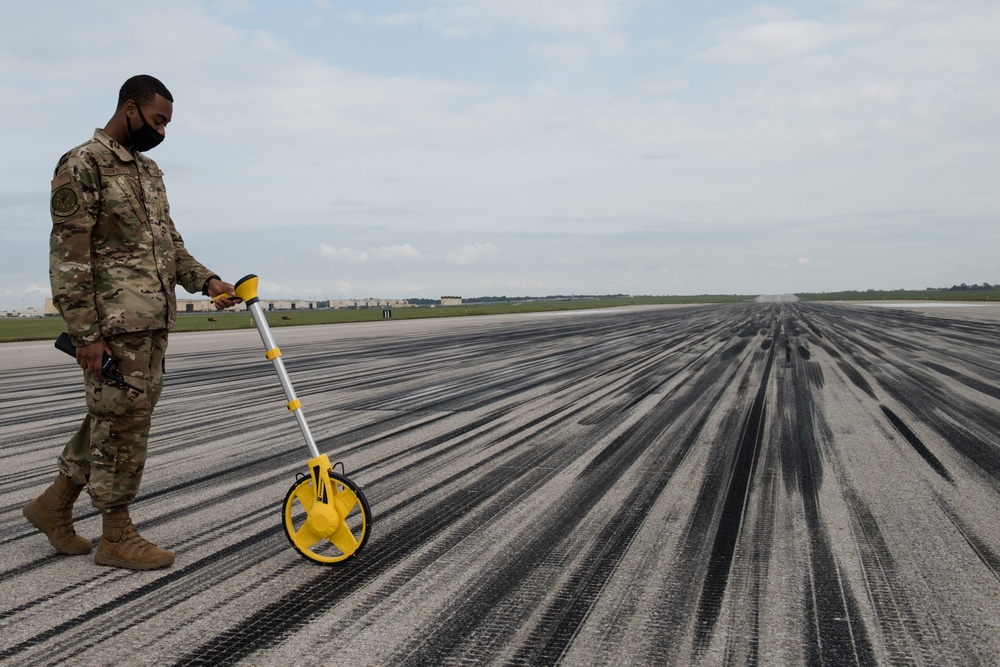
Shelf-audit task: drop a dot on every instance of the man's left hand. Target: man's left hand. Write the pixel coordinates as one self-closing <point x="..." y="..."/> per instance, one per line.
<point x="216" y="288"/>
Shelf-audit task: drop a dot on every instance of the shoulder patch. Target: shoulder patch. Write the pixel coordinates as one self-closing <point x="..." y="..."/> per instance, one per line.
<point x="64" y="202"/>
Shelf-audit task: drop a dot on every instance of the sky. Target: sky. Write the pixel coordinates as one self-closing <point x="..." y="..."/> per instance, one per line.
<point x="401" y="149"/>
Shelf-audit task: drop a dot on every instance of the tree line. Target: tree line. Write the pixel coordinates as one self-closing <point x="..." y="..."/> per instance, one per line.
<point x="963" y="287"/>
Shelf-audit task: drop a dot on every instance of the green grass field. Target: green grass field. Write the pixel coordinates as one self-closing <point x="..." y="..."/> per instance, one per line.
<point x="906" y="295"/>
<point x="48" y="328"/>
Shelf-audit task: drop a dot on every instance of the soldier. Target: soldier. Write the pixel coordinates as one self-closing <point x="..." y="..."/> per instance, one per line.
<point x="114" y="260"/>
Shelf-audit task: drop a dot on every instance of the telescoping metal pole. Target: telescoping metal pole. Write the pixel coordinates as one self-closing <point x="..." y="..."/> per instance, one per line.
<point x="246" y="289"/>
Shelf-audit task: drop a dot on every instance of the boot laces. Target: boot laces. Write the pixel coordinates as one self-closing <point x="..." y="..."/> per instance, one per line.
<point x="133" y="542"/>
<point x="61" y="519"/>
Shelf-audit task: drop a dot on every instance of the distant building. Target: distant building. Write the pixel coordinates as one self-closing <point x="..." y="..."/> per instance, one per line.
<point x="369" y="303"/>
<point x="24" y="312"/>
<point x="195" y="306"/>
<point x="183" y="306"/>
<point x="206" y="305"/>
<point x="451" y="301"/>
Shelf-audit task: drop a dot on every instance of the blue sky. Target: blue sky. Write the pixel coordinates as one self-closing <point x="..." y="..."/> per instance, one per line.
<point x="531" y="147"/>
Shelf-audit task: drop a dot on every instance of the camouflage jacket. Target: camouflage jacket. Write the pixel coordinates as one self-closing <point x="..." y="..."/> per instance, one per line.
<point x="114" y="254"/>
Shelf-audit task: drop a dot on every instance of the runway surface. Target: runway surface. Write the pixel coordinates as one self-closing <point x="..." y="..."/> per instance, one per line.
<point x="774" y="484"/>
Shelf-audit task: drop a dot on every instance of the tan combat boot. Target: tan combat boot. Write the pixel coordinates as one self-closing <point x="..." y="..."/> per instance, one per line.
<point x="52" y="513"/>
<point x="122" y="546"/>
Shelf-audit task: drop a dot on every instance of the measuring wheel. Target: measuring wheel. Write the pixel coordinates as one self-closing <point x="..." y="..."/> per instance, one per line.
<point x="330" y="525"/>
<point x="325" y="515"/>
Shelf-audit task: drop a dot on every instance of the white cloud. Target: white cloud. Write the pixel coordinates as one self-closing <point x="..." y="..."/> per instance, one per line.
<point x="473" y="254"/>
<point x="343" y="254"/>
<point x="427" y="16"/>
<point x="774" y="40"/>
<point x="396" y="252"/>
<point x="386" y="253"/>
<point x="575" y="52"/>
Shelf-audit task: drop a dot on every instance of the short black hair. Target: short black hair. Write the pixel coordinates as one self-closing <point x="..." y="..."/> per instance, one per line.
<point x="142" y="88"/>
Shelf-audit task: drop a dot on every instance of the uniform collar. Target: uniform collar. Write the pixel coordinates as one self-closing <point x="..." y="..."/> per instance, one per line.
<point x="120" y="151"/>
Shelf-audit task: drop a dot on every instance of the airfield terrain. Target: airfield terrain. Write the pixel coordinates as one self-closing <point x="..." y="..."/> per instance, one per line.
<point x="770" y="483"/>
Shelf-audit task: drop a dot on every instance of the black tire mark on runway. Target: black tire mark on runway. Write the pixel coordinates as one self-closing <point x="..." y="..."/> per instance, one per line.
<point x="948" y="417"/>
<point x="644" y="364"/>
<point x="894" y="615"/>
<point x="673" y="616"/>
<point x="916" y="443"/>
<point x="835" y="633"/>
<point x="972" y="383"/>
<point x="906" y="637"/>
<point x="968" y="427"/>
<point x="562" y="617"/>
<point x="678" y="602"/>
<point x="731" y="518"/>
<point x="855" y="377"/>
<point x="571" y="605"/>
<point x="979" y="546"/>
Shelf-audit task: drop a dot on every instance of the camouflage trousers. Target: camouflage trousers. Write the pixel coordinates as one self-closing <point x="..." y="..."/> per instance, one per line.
<point x="108" y="453"/>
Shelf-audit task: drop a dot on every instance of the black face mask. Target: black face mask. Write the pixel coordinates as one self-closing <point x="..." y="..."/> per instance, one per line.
<point x="145" y="137"/>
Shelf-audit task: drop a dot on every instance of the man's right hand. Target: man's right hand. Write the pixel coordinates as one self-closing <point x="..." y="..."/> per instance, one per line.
<point x="91" y="357"/>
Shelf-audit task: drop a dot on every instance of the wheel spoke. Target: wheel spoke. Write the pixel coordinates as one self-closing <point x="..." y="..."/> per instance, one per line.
<point x="344" y="502"/>
<point x="306" y="537"/>
<point x="306" y="495"/>
<point x="343" y="539"/>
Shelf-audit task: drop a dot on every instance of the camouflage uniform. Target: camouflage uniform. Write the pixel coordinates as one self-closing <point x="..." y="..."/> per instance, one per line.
<point x="114" y="261"/>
